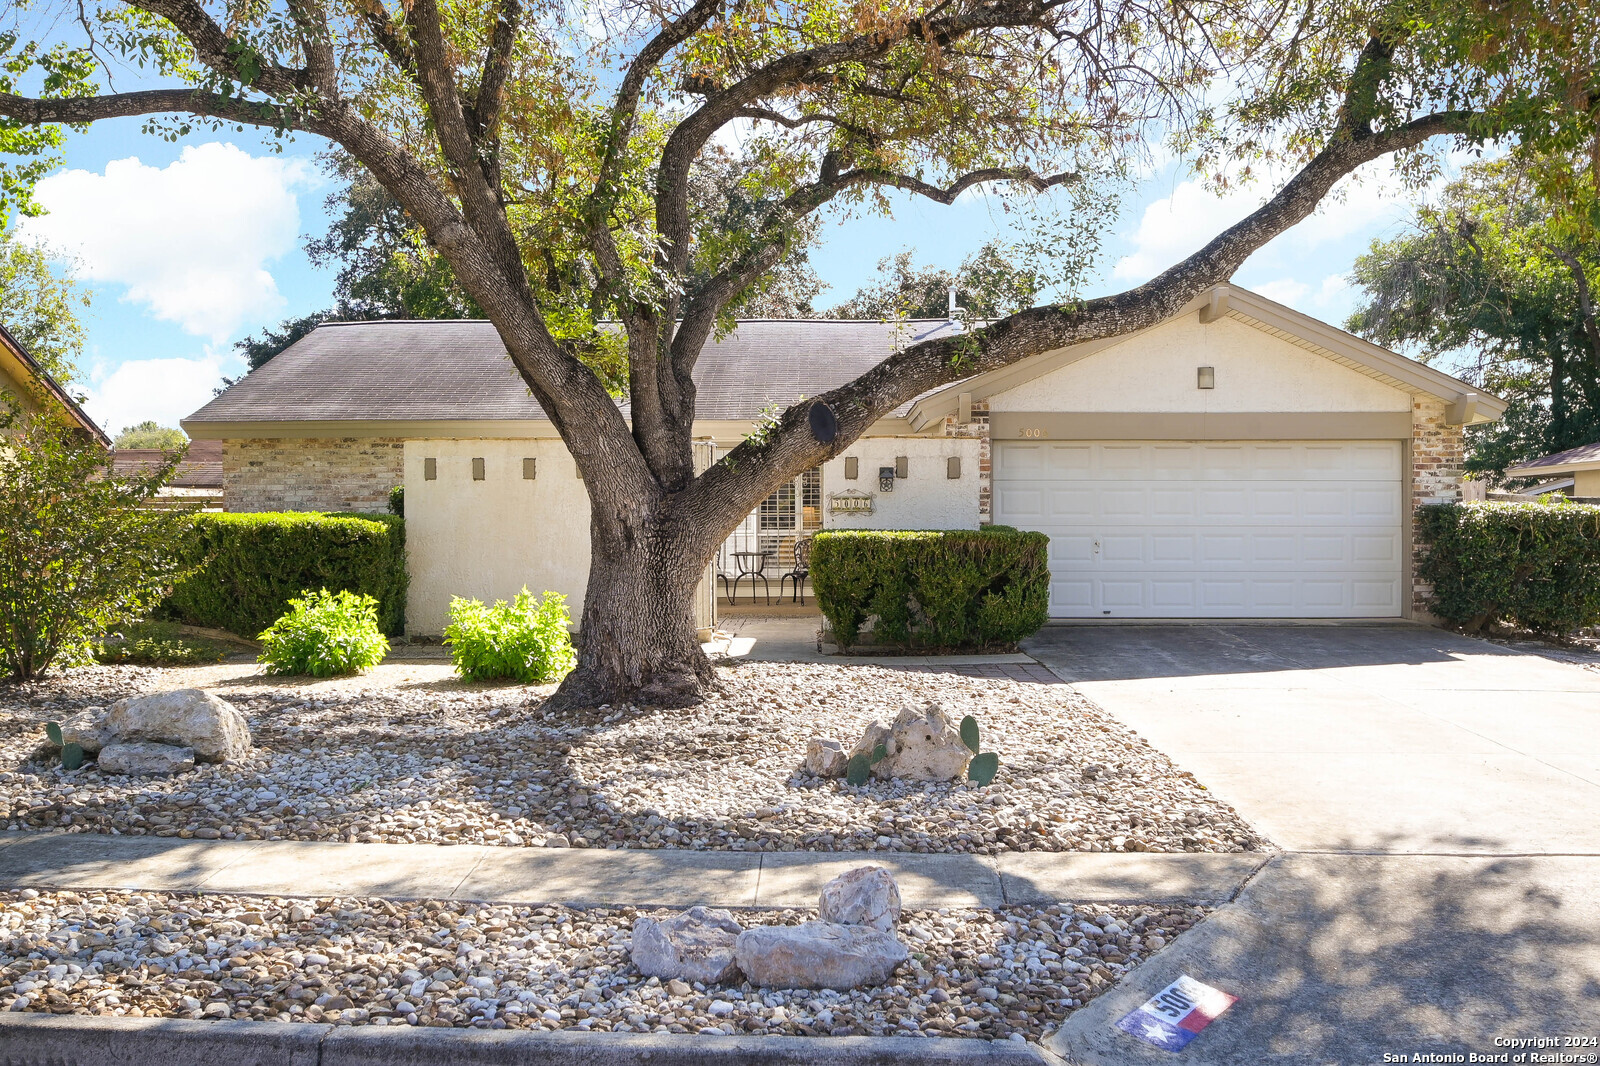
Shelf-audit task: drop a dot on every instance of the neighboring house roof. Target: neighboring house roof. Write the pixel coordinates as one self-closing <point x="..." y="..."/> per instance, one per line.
<point x="457" y="371"/>
<point x="1583" y="457"/>
<point x="1468" y="404"/>
<point x="18" y="365"/>
<point x="201" y="467"/>
<point x="453" y="378"/>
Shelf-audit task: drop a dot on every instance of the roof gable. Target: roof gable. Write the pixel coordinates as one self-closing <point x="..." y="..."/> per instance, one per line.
<point x="1257" y="312"/>
<point x="17" y="366"/>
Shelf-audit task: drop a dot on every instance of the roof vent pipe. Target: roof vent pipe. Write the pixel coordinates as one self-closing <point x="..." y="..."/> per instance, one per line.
<point x="955" y="311"/>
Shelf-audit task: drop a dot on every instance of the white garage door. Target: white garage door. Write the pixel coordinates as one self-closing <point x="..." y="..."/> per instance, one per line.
<point x="1248" y="529"/>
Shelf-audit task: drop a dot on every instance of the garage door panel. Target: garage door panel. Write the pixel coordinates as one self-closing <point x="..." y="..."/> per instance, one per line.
<point x="1217" y="529"/>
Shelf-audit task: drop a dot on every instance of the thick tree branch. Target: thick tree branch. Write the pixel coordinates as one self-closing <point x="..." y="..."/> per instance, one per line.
<point x="485" y="114"/>
<point x="394" y="44"/>
<point x="738" y="484"/>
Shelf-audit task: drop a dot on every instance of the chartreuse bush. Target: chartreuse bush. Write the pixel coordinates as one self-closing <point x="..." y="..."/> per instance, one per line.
<point x="1530" y="565"/>
<point x="252" y="565"/>
<point x="956" y="588"/>
<point x="325" y="633"/>
<point x="526" y="640"/>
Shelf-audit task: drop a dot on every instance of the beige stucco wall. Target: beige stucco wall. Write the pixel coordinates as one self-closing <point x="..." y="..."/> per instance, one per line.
<point x="310" y="473"/>
<point x="1586" y="483"/>
<point x="926" y="499"/>
<point x="1156" y="372"/>
<point x="487" y="539"/>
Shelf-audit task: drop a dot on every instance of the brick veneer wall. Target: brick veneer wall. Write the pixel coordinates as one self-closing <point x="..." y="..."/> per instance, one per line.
<point x="1438" y="453"/>
<point x="979" y="428"/>
<point x="316" y="474"/>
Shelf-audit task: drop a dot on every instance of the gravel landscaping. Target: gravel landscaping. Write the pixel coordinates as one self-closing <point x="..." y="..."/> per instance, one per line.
<point x="1007" y="974"/>
<point x="407" y="754"/>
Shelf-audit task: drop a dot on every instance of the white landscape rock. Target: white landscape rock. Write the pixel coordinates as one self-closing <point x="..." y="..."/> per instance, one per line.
<point x="188" y="717"/>
<point x="145" y="757"/>
<point x="920" y="745"/>
<point x="866" y="896"/>
<point x="696" y="945"/>
<point x="818" y="955"/>
<point x="825" y="758"/>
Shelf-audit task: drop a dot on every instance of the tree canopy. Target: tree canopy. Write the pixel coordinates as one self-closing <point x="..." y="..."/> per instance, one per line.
<point x="1500" y="274"/>
<point x="988" y="284"/>
<point x="41" y="300"/>
<point x="654" y="164"/>
<point x="150" y="434"/>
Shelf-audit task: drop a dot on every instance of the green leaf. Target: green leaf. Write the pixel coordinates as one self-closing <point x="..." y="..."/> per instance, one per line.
<point x="969" y="733"/>
<point x="879" y="754"/>
<point x="858" y="769"/>
<point x="982" y="768"/>
<point x="53" y="731"/>
<point x="72" y="756"/>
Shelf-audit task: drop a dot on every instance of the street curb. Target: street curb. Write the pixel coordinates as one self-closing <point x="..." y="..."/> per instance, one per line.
<point x="87" y="1040"/>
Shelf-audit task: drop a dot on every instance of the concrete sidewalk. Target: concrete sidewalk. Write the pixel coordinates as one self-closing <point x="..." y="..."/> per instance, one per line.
<point x="667" y="878"/>
<point x="1340" y="959"/>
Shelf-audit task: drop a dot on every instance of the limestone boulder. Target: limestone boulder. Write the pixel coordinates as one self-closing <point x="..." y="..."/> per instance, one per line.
<point x="818" y="955"/>
<point x="87" y="729"/>
<point x="825" y="758"/>
<point x="189" y="718"/>
<point x="696" y="945"/>
<point x="865" y="896"/>
<point x="921" y="745"/>
<point x="144" y="757"/>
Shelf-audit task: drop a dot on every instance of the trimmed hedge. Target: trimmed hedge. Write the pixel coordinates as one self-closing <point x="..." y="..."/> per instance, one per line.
<point x="1531" y="565"/>
<point x="255" y="563"/>
<point x="956" y="588"/>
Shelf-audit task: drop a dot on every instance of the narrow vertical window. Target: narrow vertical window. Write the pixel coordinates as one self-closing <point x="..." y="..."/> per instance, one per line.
<point x="902" y="466"/>
<point x="852" y="468"/>
<point x="430" y="470"/>
<point x="530" y="469"/>
<point x="952" y="467"/>
<point x="477" y="469"/>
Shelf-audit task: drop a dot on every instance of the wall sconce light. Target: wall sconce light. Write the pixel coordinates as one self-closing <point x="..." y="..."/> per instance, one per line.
<point x="1207" y="377"/>
<point x="885" y="479"/>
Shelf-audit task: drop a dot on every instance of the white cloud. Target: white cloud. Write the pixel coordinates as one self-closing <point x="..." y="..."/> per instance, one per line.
<point x="164" y="390"/>
<point x="1284" y="290"/>
<point x="190" y="241"/>
<point x="1178" y="225"/>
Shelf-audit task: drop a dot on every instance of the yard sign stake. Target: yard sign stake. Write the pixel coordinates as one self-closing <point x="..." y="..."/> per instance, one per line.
<point x="1176" y="1014"/>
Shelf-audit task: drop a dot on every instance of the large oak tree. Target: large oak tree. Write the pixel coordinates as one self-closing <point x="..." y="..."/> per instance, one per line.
<point x="657" y="177"/>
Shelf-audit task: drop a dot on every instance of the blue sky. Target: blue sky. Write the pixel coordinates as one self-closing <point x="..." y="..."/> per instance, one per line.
<point x="191" y="246"/>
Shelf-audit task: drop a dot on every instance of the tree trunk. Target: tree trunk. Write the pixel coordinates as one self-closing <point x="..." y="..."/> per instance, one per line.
<point x="636" y="641"/>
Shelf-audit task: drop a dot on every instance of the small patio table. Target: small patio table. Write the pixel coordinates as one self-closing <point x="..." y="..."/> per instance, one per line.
<point x="752" y="564"/>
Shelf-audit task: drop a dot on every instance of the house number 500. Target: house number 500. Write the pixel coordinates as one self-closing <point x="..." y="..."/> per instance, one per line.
<point x="1030" y="432"/>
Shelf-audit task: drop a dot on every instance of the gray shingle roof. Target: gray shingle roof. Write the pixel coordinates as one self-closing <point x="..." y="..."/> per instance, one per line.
<point x="1584" y="453"/>
<point x="459" y="370"/>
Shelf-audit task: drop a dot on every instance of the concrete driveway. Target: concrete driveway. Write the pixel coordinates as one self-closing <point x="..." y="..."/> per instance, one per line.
<point x="1438" y="800"/>
<point x="1400" y="739"/>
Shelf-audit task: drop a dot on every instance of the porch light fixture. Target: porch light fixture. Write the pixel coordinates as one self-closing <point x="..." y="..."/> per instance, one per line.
<point x="885" y="479"/>
<point x="1207" y="377"/>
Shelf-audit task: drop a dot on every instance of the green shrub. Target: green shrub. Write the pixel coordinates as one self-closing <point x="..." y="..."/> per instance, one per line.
<point x="255" y="563"/>
<point x="325" y="633"/>
<point x="1531" y="565"/>
<point x="82" y="547"/>
<point x="397" y="501"/>
<point x="526" y="640"/>
<point x="157" y="644"/>
<point x="958" y="588"/>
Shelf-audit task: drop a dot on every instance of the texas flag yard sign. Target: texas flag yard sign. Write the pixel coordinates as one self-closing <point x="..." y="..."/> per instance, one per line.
<point x="1176" y="1014"/>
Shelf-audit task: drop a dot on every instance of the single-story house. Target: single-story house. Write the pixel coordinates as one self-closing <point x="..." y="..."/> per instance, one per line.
<point x="198" y="478"/>
<point x="1581" y="464"/>
<point x="1237" y="460"/>
<point x="28" y="384"/>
